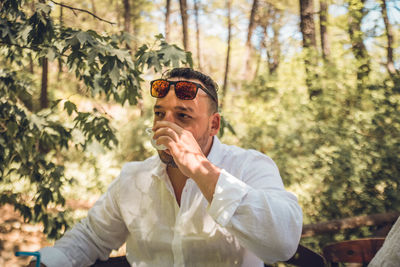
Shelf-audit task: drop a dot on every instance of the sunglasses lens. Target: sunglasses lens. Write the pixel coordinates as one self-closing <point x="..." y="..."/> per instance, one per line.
<point x="185" y="90"/>
<point x="159" y="88"/>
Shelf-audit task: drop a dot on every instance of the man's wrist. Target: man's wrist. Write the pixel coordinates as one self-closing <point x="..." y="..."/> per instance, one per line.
<point x="206" y="178"/>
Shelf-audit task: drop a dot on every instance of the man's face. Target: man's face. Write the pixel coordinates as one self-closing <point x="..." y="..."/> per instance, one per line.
<point x="191" y="115"/>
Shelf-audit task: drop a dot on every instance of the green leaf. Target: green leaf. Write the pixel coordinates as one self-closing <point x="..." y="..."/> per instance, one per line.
<point x="12" y="128"/>
<point x="114" y="75"/>
<point x="159" y="36"/>
<point x="121" y="54"/>
<point x="25" y="32"/>
<point x="108" y="66"/>
<point x="189" y="59"/>
<point x="173" y="54"/>
<point x="70" y="107"/>
<point x="51" y="54"/>
<point x="43" y="7"/>
<point x="83" y="37"/>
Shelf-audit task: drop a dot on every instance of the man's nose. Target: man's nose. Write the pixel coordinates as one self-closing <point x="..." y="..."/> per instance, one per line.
<point x="169" y="116"/>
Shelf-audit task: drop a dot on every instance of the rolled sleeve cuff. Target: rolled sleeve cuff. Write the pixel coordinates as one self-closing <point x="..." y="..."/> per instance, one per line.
<point x="53" y="257"/>
<point x="228" y="194"/>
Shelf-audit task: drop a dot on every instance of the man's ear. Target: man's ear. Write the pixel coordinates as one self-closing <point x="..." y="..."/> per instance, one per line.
<point x="215" y="123"/>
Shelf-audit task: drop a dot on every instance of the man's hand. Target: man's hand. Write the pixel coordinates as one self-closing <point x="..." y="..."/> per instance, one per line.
<point x="188" y="156"/>
<point x="33" y="264"/>
<point x="181" y="145"/>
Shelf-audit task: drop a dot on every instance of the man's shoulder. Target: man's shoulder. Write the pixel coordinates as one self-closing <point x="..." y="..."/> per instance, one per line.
<point x="235" y="152"/>
<point x="237" y="157"/>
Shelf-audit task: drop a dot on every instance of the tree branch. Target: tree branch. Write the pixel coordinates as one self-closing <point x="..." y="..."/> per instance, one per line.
<point x="33" y="48"/>
<point x="335" y="226"/>
<point x="82" y="10"/>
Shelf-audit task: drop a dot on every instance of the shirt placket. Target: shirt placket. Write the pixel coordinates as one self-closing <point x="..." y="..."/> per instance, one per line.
<point x="178" y="235"/>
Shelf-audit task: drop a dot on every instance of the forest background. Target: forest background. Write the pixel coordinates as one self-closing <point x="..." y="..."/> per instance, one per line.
<point x="313" y="84"/>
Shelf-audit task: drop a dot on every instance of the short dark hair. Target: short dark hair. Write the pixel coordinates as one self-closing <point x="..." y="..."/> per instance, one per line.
<point x="211" y="86"/>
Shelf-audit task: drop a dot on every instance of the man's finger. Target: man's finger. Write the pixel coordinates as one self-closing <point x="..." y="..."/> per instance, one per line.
<point x="165" y="131"/>
<point x="168" y="124"/>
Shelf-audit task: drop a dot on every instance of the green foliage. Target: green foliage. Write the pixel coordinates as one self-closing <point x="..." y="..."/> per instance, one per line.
<point x="338" y="156"/>
<point x="28" y="145"/>
<point x="34" y="143"/>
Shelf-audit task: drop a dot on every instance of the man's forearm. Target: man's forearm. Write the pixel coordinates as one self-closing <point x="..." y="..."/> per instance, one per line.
<point x="206" y="178"/>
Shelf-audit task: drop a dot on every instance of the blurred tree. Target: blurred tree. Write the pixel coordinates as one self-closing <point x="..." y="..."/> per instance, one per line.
<point x="44" y="101"/>
<point x="127" y="19"/>
<point x="228" y="52"/>
<point x="323" y="24"/>
<point x="185" y="19"/>
<point x="60" y="21"/>
<point x="356" y="15"/>
<point x="393" y="72"/>
<point x="307" y="28"/>
<point x="273" y="20"/>
<point x="250" y="30"/>
<point x="196" y="14"/>
<point x="167" y="23"/>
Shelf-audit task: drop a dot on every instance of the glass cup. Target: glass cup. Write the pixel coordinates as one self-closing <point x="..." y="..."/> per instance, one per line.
<point x="149" y="132"/>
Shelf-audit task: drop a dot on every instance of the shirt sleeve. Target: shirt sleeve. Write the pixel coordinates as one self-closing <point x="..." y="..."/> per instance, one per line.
<point x="389" y="254"/>
<point x="93" y="238"/>
<point x="254" y="207"/>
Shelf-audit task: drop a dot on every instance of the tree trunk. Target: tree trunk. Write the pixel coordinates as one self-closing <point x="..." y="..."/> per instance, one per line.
<point x="93" y="7"/>
<point x="127" y="16"/>
<point x="356" y="15"/>
<point x="128" y="21"/>
<point x="323" y="23"/>
<point x="167" y="24"/>
<point x="270" y="18"/>
<point x="196" y="13"/>
<point x="252" y="25"/>
<point x="389" y="49"/>
<point x="31" y="70"/>
<point x="275" y="49"/>
<point x="307" y="27"/>
<point x="61" y="20"/>
<point x="44" y="102"/>
<point x="118" y="13"/>
<point x="228" y="52"/>
<point x="184" y="16"/>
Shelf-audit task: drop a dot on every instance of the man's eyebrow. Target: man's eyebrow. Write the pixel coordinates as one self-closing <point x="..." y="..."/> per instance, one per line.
<point x="180" y="108"/>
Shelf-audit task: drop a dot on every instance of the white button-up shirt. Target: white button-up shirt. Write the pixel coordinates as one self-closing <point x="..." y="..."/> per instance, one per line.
<point x="251" y="219"/>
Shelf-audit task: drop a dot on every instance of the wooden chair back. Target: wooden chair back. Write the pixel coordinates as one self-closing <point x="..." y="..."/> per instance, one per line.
<point x="305" y="257"/>
<point x="352" y="251"/>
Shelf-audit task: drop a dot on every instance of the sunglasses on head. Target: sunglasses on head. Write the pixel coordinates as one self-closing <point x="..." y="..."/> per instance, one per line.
<point x="184" y="90"/>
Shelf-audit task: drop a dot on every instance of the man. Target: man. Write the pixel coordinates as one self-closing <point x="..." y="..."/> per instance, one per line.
<point x="198" y="203"/>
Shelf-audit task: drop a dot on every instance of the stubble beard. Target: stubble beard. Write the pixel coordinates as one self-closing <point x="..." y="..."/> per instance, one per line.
<point x="167" y="159"/>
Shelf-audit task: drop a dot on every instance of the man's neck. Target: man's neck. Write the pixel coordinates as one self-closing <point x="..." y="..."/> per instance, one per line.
<point x="178" y="181"/>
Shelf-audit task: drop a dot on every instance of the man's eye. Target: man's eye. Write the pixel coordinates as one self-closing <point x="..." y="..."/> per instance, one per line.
<point x="184" y="116"/>
<point x="158" y="114"/>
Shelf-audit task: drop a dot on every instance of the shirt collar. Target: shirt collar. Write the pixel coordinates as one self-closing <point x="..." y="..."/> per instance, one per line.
<point x="160" y="169"/>
<point x="215" y="153"/>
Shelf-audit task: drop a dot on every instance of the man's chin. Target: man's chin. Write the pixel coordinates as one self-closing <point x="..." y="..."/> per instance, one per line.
<point x="166" y="158"/>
